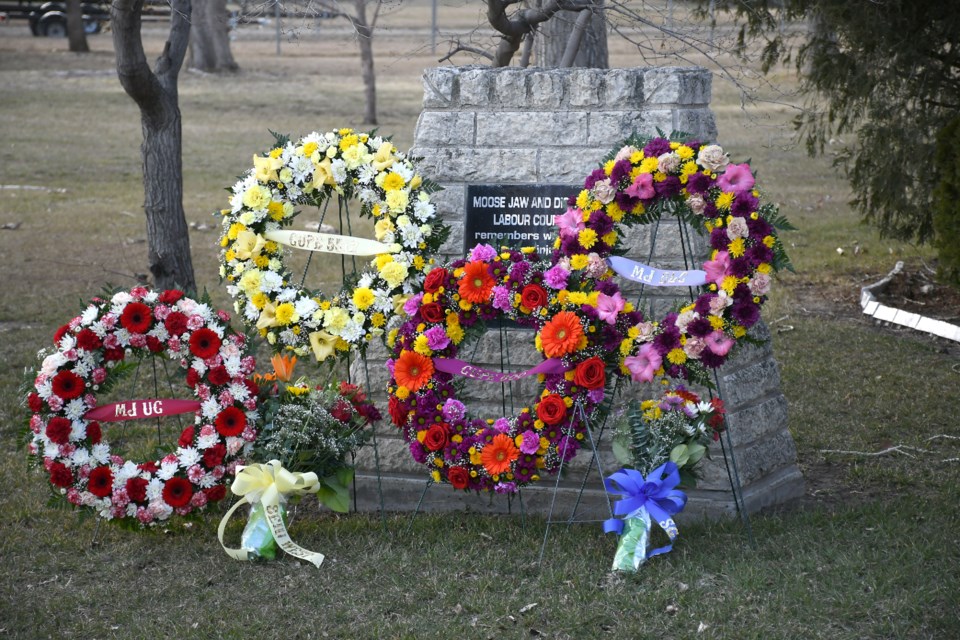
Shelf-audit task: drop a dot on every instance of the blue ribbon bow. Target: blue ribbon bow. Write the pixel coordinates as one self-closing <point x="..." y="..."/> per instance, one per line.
<point x="654" y="495"/>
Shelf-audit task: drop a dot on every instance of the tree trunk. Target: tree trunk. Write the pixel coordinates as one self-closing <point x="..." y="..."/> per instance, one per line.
<point x="554" y="34"/>
<point x="365" y="41"/>
<point x="75" y="30"/>
<point x="155" y="92"/>
<point x="210" y="37"/>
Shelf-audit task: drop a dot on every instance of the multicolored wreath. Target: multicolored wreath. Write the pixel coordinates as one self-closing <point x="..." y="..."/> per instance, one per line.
<point x="311" y="171"/>
<point x="578" y="334"/>
<point x="91" y="353"/>
<point x="650" y="178"/>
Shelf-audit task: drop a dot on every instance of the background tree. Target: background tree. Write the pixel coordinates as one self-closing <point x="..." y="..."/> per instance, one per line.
<point x="518" y="27"/>
<point x="888" y="74"/>
<point x="155" y="92"/>
<point x="210" y="37"/>
<point x="76" y="33"/>
<point x="550" y="42"/>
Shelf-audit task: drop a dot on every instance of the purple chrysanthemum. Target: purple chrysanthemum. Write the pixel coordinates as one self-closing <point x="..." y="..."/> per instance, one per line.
<point x="699" y="183"/>
<point x="656" y="147"/>
<point x="669" y="187"/>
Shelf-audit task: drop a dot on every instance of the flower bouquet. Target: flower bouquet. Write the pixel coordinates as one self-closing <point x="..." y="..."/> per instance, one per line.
<point x="308" y="429"/>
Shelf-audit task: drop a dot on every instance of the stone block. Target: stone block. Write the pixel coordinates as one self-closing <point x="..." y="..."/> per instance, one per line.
<point x="568" y="166"/>
<point x="546" y="88"/>
<point x="530" y="129"/>
<point x="743" y="385"/>
<point x="491" y="166"/>
<point x="677" y="85"/>
<point x="607" y="129"/>
<point x="510" y="87"/>
<point x="623" y="89"/>
<point x="476" y="87"/>
<point x="757" y="421"/>
<point x="699" y="122"/>
<point x="584" y="87"/>
<point x="445" y="128"/>
<point x="441" y="87"/>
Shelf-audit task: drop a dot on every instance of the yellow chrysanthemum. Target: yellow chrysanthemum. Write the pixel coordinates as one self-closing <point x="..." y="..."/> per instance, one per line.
<point x="608" y="166"/>
<point x="736" y="248"/>
<point x="393" y="181"/>
<point x="455" y="333"/>
<point x="587" y="238"/>
<point x="769" y="241"/>
<point x="716" y="322"/>
<point x="363" y="298"/>
<point x="583" y="198"/>
<point x="729" y="284"/>
<point x="610" y="238"/>
<point x="684" y="152"/>
<point x="285" y="314"/>
<point x="420" y="346"/>
<point x="648" y="165"/>
<point x="348" y="141"/>
<point x="275" y="209"/>
<point x="579" y="261"/>
<point x="309" y="149"/>
<point x="724" y="200"/>
<point x="614" y="211"/>
<point x="764" y="267"/>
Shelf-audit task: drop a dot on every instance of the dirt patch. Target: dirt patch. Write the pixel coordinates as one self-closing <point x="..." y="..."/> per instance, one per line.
<point x="915" y="289"/>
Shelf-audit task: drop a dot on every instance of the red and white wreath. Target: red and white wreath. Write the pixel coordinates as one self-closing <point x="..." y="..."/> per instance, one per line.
<point x="90" y="353"/>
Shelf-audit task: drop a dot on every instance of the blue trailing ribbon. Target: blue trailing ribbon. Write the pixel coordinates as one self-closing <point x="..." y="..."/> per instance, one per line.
<point x="644" y="498"/>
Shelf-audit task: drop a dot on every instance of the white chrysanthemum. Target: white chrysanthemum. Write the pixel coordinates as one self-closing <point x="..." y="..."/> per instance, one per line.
<point x="167" y="470"/>
<point x="50" y="450"/>
<point x="405" y="170"/>
<point x="287" y="295"/>
<point x="366" y="174"/>
<point x="250" y="311"/>
<point x="270" y="281"/>
<point x="120" y="299"/>
<point x="209" y="408"/>
<point x="100" y="452"/>
<point x="127" y="471"/>
<point x="306" y="306"/>
<point x="75" y="410"/>
<point x="159" y="332"/>
<point x="123" y="336"/>
<point x="238" y="391"/>
<point x="199" y="365"/>
<point x="154" y="489"/>
<point x="232" y="365"/>
<point x="89" y="315"/>
<point x="205" y="442"/>
<point x="207" y="481"/>
<point x="339" y="170"/>
<point x="188" y="456"/>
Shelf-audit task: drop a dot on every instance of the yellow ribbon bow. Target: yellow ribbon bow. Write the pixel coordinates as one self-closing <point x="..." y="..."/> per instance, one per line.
<point x="270" y="484"/>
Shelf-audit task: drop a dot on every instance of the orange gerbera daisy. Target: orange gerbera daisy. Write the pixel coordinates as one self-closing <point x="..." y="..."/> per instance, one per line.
<point x="561" y="335"/>
<point x="497" y="456"/>
<point x="412" y="370"/>
<point x="476" y="283"/>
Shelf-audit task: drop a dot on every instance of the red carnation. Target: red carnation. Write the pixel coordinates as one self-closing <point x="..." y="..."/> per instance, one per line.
<point x="170" y="296"/>
<point x="193" y="377"/>
<point x="231" y="422"/>
<point x="175" y="323"/>
<point x="149" y="467"/>
<point x="68" y="385"/>
<point x="60" y="475"/>
<point x="94" y="433"/>
<point x="552" y="409"/>
<point x="434" y="280"/>
<point x="218" y="376"/>
<point x="101" y="482"/>
<point x="432" y="312"/>
<point x="215" y="494"/>
<point x="88" y="340"/>
<point x="533" y="296"/>
<point x="186" y="437"/>
<point x="154" y="344"/>
<point x="397" y="410"/>
<point x="115" y="354"/>
<point x="136" y="317"/>
<point x="458" y="477"/>
<point x="59" y="333"/>
<point x="35" y="402"/>
<point x="137" y="489"/>
<point x="58" y="430"/>
<point x="177" y="492"/>
<point x="213" y="456"/>
<point x="204" y="343"/>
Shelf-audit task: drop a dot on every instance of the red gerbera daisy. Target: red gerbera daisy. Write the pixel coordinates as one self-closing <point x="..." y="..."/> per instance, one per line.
<point x="177" y="492"/>
<point x="231" y="422"/>
<point x="101" y="482"/>
<point x="68" y="385"/>
<point x="477" y="283"/>
<point x="204" y="343"/>
<point x="136" y="317"/>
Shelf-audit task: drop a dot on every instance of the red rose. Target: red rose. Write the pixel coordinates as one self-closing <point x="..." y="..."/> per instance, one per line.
<point x="60" y="476"/>
<point x="437" y="437"/>
<point x="68" y="385"/>
<point x="94" y="434"/>
<point x="136" y="317"/>
<point x="552" y="410"/>
<point x="231" y="422"/>
<point x="435" y="280"/>
<point x="177" y="492"/>
<point x="458" y="477"/>
<point x="101" y="482"/>
<point x="215" y="494"/>
<point x="398" y="411"/>
<point x="590" y="374"/>
<point x="186" y="437"/>
<point x="218" y="376"/>
<point x="170" y="296"/>
<point x="213" y="456"/>
<point x="58" y="430"/>
<point x="175" y="323"/>
<point x="533" y="296"/>
<point x="35" y="402"/>
<point x="59" y="333"/>
<point x="154" y="344"/>
<point x="88" y="340"/>
<point x="432" y="312"/>
<point x="137" y="489"/>
<point x="204" y="343"/>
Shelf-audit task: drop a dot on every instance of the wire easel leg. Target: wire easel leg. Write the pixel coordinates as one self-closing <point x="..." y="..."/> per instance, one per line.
<point x="419" y="502"/>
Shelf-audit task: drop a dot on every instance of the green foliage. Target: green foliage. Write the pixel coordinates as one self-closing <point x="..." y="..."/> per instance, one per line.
<point x="884" y="71"/>
<point x="946" y="203"/>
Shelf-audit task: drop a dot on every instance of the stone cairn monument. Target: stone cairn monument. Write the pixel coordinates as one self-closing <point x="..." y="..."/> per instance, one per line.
<point x="508" y="145"/>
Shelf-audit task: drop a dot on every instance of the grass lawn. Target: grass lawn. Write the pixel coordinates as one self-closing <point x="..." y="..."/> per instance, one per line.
<point x="872" y="551"/>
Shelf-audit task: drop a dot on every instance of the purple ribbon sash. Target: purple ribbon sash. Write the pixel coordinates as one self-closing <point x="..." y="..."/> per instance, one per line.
<point x="638" y="272"/>
<point x="139" y="409"/>
<point x="467" y="370"/>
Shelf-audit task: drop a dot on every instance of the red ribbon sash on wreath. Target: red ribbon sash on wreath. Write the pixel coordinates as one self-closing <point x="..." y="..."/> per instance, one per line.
<point x="139" y="409"/>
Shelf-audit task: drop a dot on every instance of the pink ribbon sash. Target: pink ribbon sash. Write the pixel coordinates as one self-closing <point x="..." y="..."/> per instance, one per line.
<point x="467" y="370"/>
<point x="139" y="409"/>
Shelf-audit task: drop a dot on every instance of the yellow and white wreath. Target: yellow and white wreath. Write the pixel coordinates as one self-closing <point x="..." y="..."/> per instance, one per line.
<point x="310" y="171"/>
